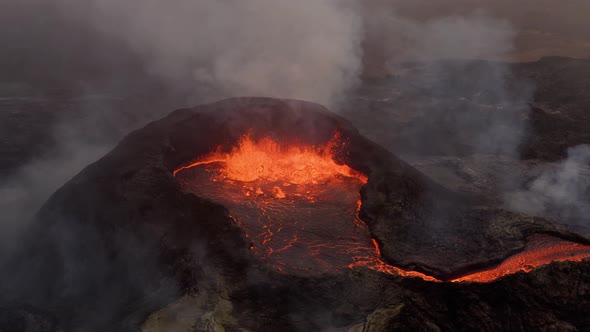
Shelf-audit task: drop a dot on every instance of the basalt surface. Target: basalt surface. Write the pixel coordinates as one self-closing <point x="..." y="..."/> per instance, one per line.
<point x="123" y="238"/>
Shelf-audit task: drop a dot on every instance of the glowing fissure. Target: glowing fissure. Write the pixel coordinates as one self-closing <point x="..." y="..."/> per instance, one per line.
<point x="299" y="207"/>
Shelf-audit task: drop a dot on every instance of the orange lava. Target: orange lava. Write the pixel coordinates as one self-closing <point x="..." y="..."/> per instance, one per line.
<point x="299" y="207"/>
<point x="268" y="161"/>
<point x="375" y="263"/>
<point x="540" y="250"/>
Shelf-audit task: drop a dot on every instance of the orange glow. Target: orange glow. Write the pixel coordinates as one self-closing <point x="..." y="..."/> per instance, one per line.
<point x="540" y="250"/>
<point x="268" y="161"/>
<point x="299" y="207"/>
<point x="375" y="263"/>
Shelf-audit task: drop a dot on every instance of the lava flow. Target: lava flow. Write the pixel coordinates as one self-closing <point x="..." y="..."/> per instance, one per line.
<point x="541" y="249"/>
<point x="299" y="208"/>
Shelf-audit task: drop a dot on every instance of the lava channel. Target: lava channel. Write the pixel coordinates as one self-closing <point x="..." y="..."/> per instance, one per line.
<point x="541" y="249"/>
<point x="299" y="208"/>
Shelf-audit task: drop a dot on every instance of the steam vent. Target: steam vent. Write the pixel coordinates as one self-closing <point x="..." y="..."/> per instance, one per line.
<point x="267" y="215"/>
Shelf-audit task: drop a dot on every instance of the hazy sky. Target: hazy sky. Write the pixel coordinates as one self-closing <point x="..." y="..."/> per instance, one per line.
<point x="65" y="36"/>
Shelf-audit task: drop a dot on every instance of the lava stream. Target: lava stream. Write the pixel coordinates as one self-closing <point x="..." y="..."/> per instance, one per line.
<point x="540" y="250"/>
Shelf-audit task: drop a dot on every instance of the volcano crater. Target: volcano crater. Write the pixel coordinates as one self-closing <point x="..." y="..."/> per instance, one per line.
<point x="402" y="222"/>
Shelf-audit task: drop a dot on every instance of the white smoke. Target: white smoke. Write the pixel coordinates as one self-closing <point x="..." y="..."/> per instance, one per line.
<point x="465" y="102"/>
<point x="304" y="49"/>
<point x="561" y="190"/>
<point x="476" y="36"/>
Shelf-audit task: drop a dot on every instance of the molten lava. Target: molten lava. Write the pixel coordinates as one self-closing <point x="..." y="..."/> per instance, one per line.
<point x="267" y="161"/>
<point x="299" y="208"/>
<point x="296" y="204"/>
<point x="540" y="250"/>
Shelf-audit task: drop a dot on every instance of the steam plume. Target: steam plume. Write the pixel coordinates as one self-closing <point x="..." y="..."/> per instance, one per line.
<point x="561" y="191"/>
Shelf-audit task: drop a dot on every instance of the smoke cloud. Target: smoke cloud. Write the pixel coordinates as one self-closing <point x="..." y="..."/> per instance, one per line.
<point x="561" y="191"/>
<point x="473" y="35"/>
<point x="492" y="105"/>
<point x="35" y="182"/>
<point x="473" y="105"/>
<point x="293" y="49"/>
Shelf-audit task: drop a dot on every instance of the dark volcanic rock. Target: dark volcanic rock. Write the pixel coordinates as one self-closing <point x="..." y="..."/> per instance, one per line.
<point x="534" y="110"/>
<point x="519" y="302"/>
<point x="560" y="115"/>
<point x="26" y="319"/>
<point x="121" y="239"/>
